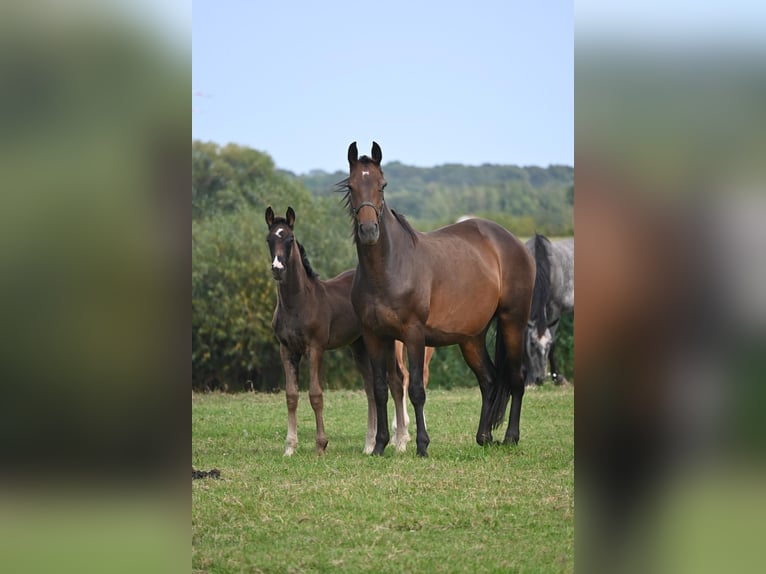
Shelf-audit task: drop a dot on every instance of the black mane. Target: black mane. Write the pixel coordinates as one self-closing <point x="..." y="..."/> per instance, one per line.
<point x="542" y="290"/>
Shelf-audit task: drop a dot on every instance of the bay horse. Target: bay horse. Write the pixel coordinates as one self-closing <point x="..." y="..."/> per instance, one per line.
<point x="552" y="298"/>
<point x="312" y="316"/>
<point x="439" y="288"/>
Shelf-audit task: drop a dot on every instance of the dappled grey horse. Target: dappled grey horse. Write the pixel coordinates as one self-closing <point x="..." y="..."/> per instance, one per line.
<point x="554" y="285"/>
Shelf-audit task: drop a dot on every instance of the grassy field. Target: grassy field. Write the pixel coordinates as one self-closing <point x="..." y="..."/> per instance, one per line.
<point x="463" y="509"/>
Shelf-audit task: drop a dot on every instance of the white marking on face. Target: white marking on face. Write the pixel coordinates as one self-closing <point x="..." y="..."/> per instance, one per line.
<point x="276" y="264"/>
<point x="279" y="231"/>
<point x="545" y="339"/>
<point x="365" y="173"/>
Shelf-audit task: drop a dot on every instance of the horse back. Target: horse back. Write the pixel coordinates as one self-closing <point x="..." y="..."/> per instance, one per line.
<point x="562" y="275"/>
<point x="324" y="318"/>
<point x="478" y="267"/>
<point x="483" y="246"/>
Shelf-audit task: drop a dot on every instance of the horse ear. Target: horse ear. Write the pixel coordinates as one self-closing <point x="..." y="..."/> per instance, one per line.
<point x="269" y="216"/>
<point x="377" y="154"/>
<point x="290" y="216"/>
<point x="353" y="153"/>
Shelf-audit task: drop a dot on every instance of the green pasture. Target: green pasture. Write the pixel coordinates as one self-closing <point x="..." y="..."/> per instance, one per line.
<point x="463" y="509"/>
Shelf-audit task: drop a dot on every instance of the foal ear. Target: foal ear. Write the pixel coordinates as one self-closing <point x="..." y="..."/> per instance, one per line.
<point x="353" y="153"/>
<point x="377" y="154"/>
<point x="269" y="216"/>
<point x="290" y="216"/>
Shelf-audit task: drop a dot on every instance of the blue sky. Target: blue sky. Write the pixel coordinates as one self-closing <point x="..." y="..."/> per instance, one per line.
<point x="431" y="82"/>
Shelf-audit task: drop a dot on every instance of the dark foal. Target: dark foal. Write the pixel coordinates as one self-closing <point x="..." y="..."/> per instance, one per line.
<point x="312" y="316"/>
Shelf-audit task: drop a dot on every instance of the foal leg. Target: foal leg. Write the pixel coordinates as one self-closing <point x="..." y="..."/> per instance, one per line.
<point x="316" y="397"/>
<point x="362" y="361"/>
<point x="476" y="357"/>
<point x="290" y="364"/>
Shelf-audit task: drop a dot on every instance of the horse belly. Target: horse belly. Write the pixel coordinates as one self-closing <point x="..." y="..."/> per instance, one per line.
<point x="462" y="313"/>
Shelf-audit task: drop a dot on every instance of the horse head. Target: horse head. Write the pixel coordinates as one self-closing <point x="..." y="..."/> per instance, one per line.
<point x="280" y="239"/>
<point x="365" y="192"/>
<point x="538" y="347"/>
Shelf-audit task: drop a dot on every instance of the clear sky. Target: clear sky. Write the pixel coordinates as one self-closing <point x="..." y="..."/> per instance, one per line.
<point x="431" y="82"/>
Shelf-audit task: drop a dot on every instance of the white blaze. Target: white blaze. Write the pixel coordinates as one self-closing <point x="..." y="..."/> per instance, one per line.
<point x="276" y="263"/>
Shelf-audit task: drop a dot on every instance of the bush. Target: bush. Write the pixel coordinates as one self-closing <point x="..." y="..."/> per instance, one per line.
<point x="234" y="295"/>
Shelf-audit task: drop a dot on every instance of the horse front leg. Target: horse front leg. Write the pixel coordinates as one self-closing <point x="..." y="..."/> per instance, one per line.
<point x="290" y="364"/>
<point x="558" y="378"/>
<point x="379" y="351"/>
<point x="416" y="356"/>
<point x="316" y="397"/>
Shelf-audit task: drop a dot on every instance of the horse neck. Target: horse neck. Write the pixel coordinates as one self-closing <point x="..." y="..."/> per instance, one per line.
<point x="293" y="288"/>
<point x="375" y="259"/>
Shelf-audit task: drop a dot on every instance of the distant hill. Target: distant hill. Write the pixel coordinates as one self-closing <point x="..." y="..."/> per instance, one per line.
<point x="524" y="199"/>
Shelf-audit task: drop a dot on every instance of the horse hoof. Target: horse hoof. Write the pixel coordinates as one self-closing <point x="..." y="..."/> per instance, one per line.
<point x="511" y="440"/>
<point x="422" y="452"/>
<point x="379" y="449"/>
<point x="484" y="440"/>
<point x="368" y="449"/>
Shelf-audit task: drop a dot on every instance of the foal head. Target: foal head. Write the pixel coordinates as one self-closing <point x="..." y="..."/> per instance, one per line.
<point x="280" y="240"/>
<point x="365" y="185"/>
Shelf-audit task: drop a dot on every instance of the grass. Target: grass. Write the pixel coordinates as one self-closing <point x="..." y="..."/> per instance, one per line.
<point x="463" y="509"/>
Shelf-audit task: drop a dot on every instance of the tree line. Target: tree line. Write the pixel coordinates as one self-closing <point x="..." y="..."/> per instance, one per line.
<point x="233" y="293"/>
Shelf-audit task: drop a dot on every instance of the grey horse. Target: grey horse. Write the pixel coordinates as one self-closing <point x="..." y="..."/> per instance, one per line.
<point x="552" y="297"/>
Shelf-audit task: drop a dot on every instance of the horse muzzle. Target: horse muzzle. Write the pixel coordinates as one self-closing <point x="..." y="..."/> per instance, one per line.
<point x="368" y="233"/>
<point x="277" y="269"/>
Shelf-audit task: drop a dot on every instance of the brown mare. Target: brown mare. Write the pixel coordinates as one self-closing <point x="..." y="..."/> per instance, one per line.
<point x="439" y="288"/>
<point x="312" y="316"/>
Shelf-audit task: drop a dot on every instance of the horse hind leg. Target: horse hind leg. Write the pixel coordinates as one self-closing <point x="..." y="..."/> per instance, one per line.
<point x="513" y="339"/>
<point x="401" y="434"/>
<point x="426" y="375"/>
<point x="476" y="357"/>
<point x="362" y="360"/>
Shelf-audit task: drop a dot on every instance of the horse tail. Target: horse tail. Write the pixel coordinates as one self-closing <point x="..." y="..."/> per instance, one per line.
<point x="500" y="393"/>
<point x="542" y="289"/>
